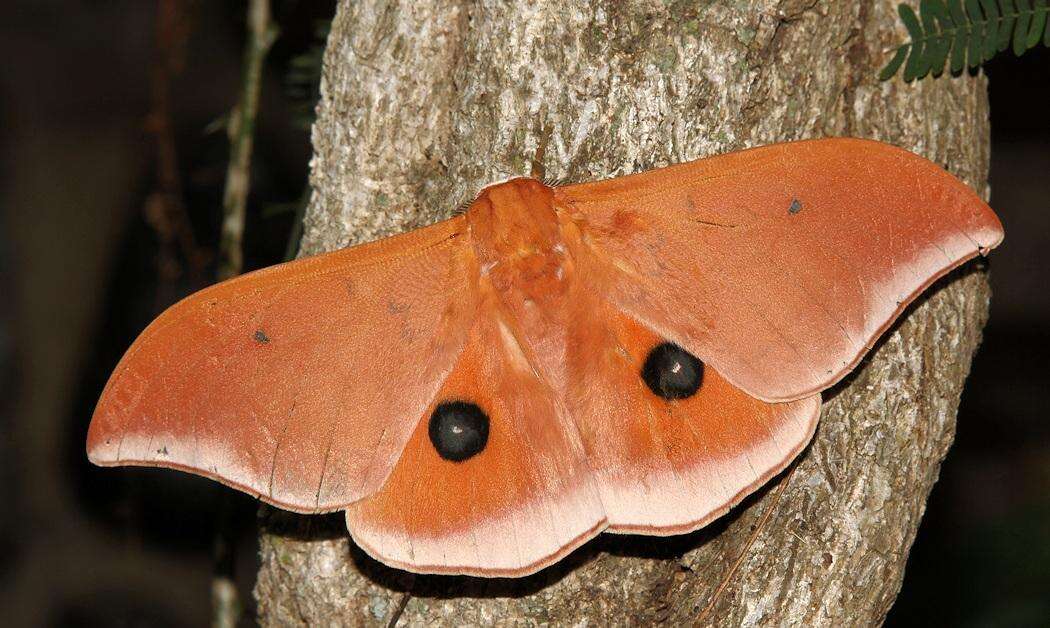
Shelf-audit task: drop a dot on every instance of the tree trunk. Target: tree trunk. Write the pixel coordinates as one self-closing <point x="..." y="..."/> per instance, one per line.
<point x="426" y="101"/>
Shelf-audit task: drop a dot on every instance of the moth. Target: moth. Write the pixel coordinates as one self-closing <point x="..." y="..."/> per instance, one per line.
<point x="483" y="395"/>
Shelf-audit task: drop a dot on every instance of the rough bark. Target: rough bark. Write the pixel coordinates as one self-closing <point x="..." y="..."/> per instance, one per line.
<point x="425" y="101"/>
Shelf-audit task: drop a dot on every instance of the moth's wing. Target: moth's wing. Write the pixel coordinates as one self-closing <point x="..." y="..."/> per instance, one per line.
<point x="521" y="503"/>
<point x="669" y="466"/>
<point x="300" y="383"/>
<point x="779" y="266"/>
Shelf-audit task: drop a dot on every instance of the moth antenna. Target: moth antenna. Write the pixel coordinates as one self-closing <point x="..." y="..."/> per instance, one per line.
<point x="461" y="208"/>
<point x="557" y="182"/>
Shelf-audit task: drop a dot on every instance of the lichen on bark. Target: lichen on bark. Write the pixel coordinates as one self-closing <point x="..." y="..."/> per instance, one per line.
<point x="424" y="102"/>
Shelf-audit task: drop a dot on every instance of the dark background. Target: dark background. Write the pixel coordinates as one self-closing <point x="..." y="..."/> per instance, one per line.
<point x="112" y="164"/>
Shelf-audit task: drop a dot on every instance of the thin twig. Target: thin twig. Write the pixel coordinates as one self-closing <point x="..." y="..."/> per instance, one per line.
<point x="226" y="607"/>
<point x="291" y="249"/>
<point x="747" y="546"/>
<point x="400" y="610"/>
<point x="261" y="35"/>
<point x="164" y="208"/>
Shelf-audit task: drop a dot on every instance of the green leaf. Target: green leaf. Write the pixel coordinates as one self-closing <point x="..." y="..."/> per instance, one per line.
<point x="991" y="33"/>
<point x="1046" y="33"/>
<point x="952" y="37"/>
<point x="1006" y="25"/>
<point x="958" y="61"/>
<point x="973" y="12"/>
<point x="911" y="22"/>
<point x="895" y="63"/>
<point x="976" y="38"/>
<point x="939" y="8"/>
<point x="933" y="14"/>
<point x="1035" y="31"/>
<point x="991" y="10"/>
<point x="1024" y="18"/>
<point x="914" y="68"/>
<point x="965" y="32"/>
<point x="975" y="56"/>
<point x="975" y="17"/>
<point x="936" y="9"/>
<point x="914" y="64"/>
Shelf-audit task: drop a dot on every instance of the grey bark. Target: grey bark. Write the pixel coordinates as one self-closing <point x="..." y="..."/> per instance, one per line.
<point x="424" y="102"/>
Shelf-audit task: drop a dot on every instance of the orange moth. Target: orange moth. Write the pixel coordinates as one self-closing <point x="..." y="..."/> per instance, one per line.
<point x="485" y="394"/>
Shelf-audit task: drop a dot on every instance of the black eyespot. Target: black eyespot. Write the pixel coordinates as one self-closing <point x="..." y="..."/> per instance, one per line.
<point x="672" y="372"/>
<point x="458" y="430"/>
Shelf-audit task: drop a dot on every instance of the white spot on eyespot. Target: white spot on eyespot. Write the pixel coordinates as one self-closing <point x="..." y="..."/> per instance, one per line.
<point x="677" y="367"/>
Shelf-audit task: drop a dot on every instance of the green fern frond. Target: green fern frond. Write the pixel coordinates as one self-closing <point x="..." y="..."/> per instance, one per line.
<point x="965" y="33"/>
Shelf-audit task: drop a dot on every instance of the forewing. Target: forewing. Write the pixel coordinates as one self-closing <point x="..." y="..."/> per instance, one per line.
<point x="779" y="266"/>
<point x="299" y="383"/>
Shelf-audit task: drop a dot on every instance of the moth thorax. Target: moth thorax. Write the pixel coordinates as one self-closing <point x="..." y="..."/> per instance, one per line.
<point x="514" y="226"/>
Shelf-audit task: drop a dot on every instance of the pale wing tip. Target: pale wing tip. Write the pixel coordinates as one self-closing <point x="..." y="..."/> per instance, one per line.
<point x="96" y="456"/>
<point x="986" y="238"/>
<point x="990" y="234"/>
<point x="101" y="448"/>
<point x="106" y="455"/>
